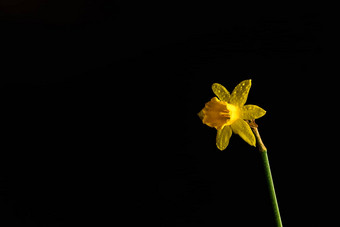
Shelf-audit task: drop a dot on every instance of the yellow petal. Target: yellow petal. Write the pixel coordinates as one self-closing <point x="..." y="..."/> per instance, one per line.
<point x="221" y="92"/>
<point x="242" y="128"/>
<point x="223" y="136"/>
<point x="240" y="93"/>
<point x="250" y="112"/>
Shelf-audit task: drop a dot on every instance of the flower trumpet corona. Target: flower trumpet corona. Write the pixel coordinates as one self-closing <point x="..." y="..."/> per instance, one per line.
<point x="227" y="113"/>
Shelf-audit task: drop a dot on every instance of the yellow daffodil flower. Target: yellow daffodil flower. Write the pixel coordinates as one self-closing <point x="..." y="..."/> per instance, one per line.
<point x="227" y="113"/>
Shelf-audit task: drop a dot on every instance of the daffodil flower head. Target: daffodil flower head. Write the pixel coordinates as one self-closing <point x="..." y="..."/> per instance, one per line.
<point x="227" y="113"/>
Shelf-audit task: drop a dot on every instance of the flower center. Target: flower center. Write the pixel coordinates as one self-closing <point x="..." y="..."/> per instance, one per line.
<point x="234" y="113"/>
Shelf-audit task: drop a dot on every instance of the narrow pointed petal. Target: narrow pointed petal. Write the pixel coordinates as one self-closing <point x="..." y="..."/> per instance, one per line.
<point x="222" y="138"/>
<point x="221" y="92"/>
<point x="240" y="93"/>
<point x="250" y="112"/>
<point x="242" y="128"/>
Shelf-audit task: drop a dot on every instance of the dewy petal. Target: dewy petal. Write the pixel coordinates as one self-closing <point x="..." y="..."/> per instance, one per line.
<point x="242" y="128"/>
<point x="250" y="112"/>
<point x="223" y="136"/>
<point x="221" y="92"/>
<point x="240" y="93"/>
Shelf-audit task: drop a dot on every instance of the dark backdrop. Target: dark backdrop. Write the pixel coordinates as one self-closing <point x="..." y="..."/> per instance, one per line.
<point x="100" y="101"/>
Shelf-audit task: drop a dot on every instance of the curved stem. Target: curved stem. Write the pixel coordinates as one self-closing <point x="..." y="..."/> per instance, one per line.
<point x="260" y="145"/>
<point x="271" y="188"/>
<point x="265" y="161"/>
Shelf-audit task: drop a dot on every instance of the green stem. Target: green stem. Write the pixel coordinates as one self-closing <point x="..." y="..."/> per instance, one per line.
<point x="263" y="151"/>
<point x="271" y="188"/>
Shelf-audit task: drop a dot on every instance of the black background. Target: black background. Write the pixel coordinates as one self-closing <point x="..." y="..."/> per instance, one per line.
<point x="100" y="100"/>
